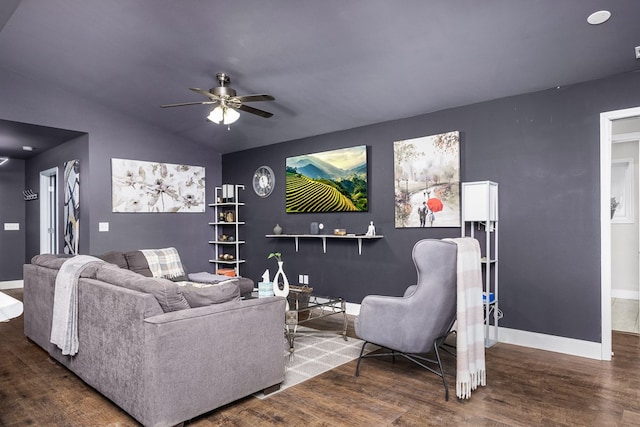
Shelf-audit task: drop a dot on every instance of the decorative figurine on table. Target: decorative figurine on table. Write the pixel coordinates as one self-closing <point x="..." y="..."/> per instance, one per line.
<point x="371" y="231"/>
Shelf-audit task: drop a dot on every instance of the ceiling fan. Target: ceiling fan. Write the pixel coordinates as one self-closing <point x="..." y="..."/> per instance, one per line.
<point x="226" y="102"/>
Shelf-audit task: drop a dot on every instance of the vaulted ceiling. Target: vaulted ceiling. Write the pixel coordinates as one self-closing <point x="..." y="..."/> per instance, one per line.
<point x="331" y="65"/>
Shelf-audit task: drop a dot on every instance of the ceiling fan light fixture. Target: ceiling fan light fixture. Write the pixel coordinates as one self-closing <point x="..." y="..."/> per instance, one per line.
<point x="223" y="115"/>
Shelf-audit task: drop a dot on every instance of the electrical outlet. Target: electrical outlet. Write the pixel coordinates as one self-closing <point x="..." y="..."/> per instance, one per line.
<point x="103" y="226"/>
<point x="305" y="279"/>
<point x="637" y="52"/>
<point x="300" y="279"/>
<point x="11" y="226"/>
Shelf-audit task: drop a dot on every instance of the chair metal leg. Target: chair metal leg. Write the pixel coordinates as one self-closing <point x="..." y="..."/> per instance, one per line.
<point x="444" y="379"/>
<point x="415" y="358"/>
<point x="360" y="359"/>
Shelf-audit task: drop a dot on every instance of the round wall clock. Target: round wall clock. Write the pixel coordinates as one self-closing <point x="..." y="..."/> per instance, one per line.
<point x="263" y="181"/>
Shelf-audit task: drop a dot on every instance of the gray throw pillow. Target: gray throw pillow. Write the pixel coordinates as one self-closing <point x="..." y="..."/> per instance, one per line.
<point x="199" y="295"/>
<point x="114" y="257"/>
<point x="138" y="263"/>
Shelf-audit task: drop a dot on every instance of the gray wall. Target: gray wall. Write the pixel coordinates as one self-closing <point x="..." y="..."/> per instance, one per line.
<point x="542" y="149"/>
<point x="12" y="209"/>
<point x="111" y="135"/>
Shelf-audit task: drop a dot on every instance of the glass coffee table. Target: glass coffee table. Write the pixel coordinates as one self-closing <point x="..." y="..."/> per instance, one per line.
<point x="304" y="307"/>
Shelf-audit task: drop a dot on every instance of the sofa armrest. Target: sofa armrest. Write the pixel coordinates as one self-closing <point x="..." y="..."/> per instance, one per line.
<point x="206" y="357"/>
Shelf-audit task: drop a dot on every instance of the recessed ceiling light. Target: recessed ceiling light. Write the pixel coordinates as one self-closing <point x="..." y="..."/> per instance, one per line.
<point x="27" y="148"/>
<point x="599" y="17"/>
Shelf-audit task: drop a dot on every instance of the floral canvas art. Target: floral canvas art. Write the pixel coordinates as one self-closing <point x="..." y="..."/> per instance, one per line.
<point x="140" y="186"/>
<point x="427" y="181"/>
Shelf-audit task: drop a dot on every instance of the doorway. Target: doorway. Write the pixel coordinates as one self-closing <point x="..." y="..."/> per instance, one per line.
<point x="625" y="230"/>
<point x="606" y="139"/>
<point x="49" y="211"/>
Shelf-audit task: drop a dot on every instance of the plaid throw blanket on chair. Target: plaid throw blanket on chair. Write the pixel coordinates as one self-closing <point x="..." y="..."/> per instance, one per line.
<point x="471" y="370"/>
<point x="164" y="262"/>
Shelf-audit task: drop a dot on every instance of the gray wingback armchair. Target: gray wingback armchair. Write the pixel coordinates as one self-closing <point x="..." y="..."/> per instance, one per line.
<point x="420" y="321"/>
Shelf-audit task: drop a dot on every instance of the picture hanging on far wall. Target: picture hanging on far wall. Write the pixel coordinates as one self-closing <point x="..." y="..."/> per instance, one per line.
<point x="139" y="186"/>
<point x="622" y="191"/>
<point x="328" y="181"/>
<point x="427" y="181"/>
<point x="71" y="206"/>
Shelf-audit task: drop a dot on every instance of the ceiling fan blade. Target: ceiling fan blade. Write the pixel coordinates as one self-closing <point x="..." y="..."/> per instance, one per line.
<point x="180" y="104"/>
<point x="255" y="111"/>
<point x="204" y="92"/>
<point x="254" y="98"/>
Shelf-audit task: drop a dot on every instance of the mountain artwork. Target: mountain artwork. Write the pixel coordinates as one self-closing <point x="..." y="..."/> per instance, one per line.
<point x="328" y="181"/>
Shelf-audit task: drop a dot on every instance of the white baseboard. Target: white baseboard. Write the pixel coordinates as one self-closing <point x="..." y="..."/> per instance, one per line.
<point x="622" y="294"/>
<point x="571" y="346"/>
<point x="353" y="308"/>
<point x="588" y="349"/>
<point x="11" y="284"/>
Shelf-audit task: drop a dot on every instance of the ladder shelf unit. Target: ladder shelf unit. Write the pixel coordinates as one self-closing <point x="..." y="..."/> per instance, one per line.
<point x="227" y="227"/>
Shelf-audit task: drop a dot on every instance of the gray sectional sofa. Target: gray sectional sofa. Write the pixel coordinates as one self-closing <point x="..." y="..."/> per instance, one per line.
<point x="144" y="348"/>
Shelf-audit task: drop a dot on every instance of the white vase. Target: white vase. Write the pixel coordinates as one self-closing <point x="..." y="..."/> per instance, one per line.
<point x="276" y="286"/>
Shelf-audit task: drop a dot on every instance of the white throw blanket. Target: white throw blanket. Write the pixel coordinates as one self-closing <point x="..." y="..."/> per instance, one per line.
<point x="471" y="371"/>
<point x="64" y="325"/>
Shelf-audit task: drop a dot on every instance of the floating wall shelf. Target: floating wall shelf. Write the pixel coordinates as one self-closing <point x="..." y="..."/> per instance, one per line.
<point x="324" y="238"/>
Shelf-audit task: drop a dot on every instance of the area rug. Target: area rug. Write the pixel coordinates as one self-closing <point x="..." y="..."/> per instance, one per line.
<point x="316" y="352"/>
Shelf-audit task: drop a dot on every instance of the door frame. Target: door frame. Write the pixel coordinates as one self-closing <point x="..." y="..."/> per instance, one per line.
<point x="605" y="222"/>
<point x="48" y="213"/>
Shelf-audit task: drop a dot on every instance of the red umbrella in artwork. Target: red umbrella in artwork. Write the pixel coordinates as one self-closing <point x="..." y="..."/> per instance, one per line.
<point x="435" y="205"/>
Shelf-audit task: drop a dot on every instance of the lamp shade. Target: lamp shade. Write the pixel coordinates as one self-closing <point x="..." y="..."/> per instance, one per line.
<point x="223" y="114"/>
<point x="479" y="201"/>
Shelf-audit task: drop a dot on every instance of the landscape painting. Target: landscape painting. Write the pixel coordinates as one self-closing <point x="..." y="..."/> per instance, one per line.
<point x="329" y="181"/>
<point x="427" y="181"/>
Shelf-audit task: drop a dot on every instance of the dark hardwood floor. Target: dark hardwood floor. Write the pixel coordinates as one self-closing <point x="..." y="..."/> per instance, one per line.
<point x="525" y="388"/>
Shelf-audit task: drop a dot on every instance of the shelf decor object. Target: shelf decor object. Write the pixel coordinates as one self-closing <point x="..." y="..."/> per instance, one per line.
<point x="227" y="227"/>
<point x="228" y="195"/>
<point x="480" y="211"/>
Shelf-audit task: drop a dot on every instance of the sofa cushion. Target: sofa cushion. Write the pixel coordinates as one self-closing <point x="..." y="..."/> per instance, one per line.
<point x="201" y="294"/>
<point x="138" y="263"/>
<point x="166" y="292"/>
<point x="244" y="283"/>
<point x="114" y="257"/>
